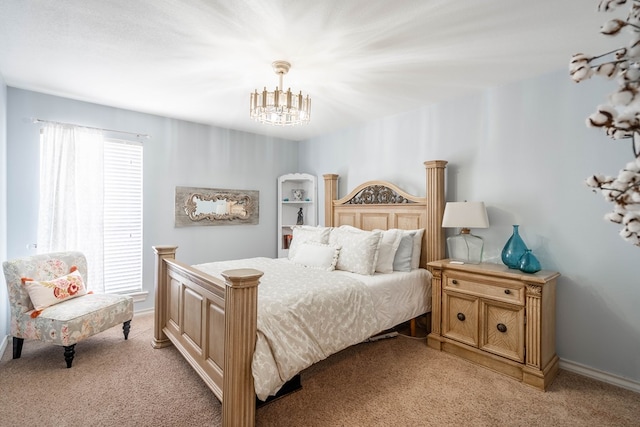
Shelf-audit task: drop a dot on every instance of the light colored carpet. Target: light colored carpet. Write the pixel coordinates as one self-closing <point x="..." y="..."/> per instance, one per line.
<point x="394" y="382"/>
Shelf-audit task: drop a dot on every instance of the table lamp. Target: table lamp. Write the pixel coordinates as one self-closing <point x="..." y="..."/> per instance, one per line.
<point x="465" y="247"/>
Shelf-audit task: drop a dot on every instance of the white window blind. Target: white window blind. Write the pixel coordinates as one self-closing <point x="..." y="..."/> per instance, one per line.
<point x="122" y="216"/>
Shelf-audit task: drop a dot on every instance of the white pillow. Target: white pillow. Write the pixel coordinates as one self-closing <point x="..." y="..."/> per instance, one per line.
<point x="387" y="251"/>
<point x="358" y="249"/>
<point x="417" y="248"/>
<point x="317" y="255"/>
<point x="45" y="293"/>
<point x="402" y="259"/>
<point x="307" y="233"/>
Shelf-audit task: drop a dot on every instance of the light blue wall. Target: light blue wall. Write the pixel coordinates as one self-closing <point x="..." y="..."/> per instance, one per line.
<point x="525" y="151"/>
<point x="4" y="310"/>
<point x="178" y="153"/>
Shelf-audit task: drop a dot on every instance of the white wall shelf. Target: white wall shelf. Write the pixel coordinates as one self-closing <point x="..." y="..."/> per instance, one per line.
<point x="288" y="207"/>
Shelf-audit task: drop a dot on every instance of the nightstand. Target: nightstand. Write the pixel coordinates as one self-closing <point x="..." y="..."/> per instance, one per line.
<point x="498" y="317"/>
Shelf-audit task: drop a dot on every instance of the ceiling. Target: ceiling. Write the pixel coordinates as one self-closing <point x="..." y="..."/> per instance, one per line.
<point x="357" y="59"/>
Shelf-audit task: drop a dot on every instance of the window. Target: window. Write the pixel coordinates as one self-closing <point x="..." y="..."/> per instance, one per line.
<point x="122" y="216"/>
<point x="91" y="201"/>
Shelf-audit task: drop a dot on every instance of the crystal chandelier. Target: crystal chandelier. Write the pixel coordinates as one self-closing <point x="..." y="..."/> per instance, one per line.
<point x="279" y="107"/>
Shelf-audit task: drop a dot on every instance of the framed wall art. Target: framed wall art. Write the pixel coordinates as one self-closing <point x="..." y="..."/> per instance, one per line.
<point x="196" y="206"/>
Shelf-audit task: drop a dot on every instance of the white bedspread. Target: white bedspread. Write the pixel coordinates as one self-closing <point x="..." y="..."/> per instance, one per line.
<point x="398" y="296"/>
<point x="304" y="316"/>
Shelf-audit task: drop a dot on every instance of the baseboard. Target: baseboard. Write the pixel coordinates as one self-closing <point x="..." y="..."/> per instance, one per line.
<point x="144" y="311"/>
<point x="600" y="375"/>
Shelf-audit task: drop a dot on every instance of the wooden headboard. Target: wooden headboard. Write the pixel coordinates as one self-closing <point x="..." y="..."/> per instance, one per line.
<point x="382" y="205"/>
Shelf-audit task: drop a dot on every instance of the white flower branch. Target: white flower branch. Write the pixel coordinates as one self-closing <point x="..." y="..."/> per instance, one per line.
<point x="620" y="117"/>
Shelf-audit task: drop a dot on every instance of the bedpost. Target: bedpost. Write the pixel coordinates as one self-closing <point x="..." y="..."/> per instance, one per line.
<point x="434" y="235"/>
<point x="241" y="314"/>
<point x="160" y="283"/>
<point x="330" y="194"/>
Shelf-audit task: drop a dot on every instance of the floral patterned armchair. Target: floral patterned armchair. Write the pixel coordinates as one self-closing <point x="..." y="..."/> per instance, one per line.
<point x="63" y="323"/>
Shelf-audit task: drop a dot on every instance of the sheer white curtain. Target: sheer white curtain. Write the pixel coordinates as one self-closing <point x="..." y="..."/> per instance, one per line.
<point x="71" y="210"/>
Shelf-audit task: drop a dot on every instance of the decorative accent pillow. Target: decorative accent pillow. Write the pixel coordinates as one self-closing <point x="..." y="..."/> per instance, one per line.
<point x="358" y="249"/>
<point x="417" y="248"/>
<point x="317" y="255"/>
<point x="387" y="251"/>
<point x="307" y="233"/>
<point x="402" y="259"/>
<point x="47" y="293"/>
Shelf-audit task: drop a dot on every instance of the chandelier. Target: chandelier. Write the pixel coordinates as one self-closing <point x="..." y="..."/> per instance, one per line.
<point x="278" y="107"/>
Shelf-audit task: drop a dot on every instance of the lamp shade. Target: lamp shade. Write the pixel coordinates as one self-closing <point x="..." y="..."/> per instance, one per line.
<point x="465" y="215"/>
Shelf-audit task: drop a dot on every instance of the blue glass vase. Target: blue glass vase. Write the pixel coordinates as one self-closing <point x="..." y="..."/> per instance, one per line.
<point x="513" y="249"/>
<point x="529" y="263"/>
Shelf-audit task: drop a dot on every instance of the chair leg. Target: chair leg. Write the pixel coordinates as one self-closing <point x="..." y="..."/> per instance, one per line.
<point x="17" y="347"/>
<point x="69" y="352"/>
<point x="125" y="328"/>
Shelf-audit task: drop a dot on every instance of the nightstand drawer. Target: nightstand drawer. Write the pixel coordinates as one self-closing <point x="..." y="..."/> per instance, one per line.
<point x="507" y="291"/>
<point x="460" y="317"/>
<point x="502" y="330"/>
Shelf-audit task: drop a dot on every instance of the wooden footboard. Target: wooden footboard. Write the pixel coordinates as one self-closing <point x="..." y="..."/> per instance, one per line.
<point x="213" y="324"/>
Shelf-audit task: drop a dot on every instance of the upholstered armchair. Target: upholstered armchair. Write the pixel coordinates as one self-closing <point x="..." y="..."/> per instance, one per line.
<point x="49" y="302"/>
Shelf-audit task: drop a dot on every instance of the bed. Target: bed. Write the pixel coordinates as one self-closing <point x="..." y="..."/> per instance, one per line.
<point x="210" y="312"/>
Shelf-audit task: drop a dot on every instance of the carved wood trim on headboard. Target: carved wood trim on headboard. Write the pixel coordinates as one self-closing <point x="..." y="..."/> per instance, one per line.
<point x="382" y="205"/>
<point x="378" y="193"/>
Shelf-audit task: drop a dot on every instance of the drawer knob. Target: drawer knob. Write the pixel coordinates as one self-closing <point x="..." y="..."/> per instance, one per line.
<point x="507" y="291"/>
<point x="454" y="281"/>
<point x="461" y="317"/>
<point x="502" y="327"/>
